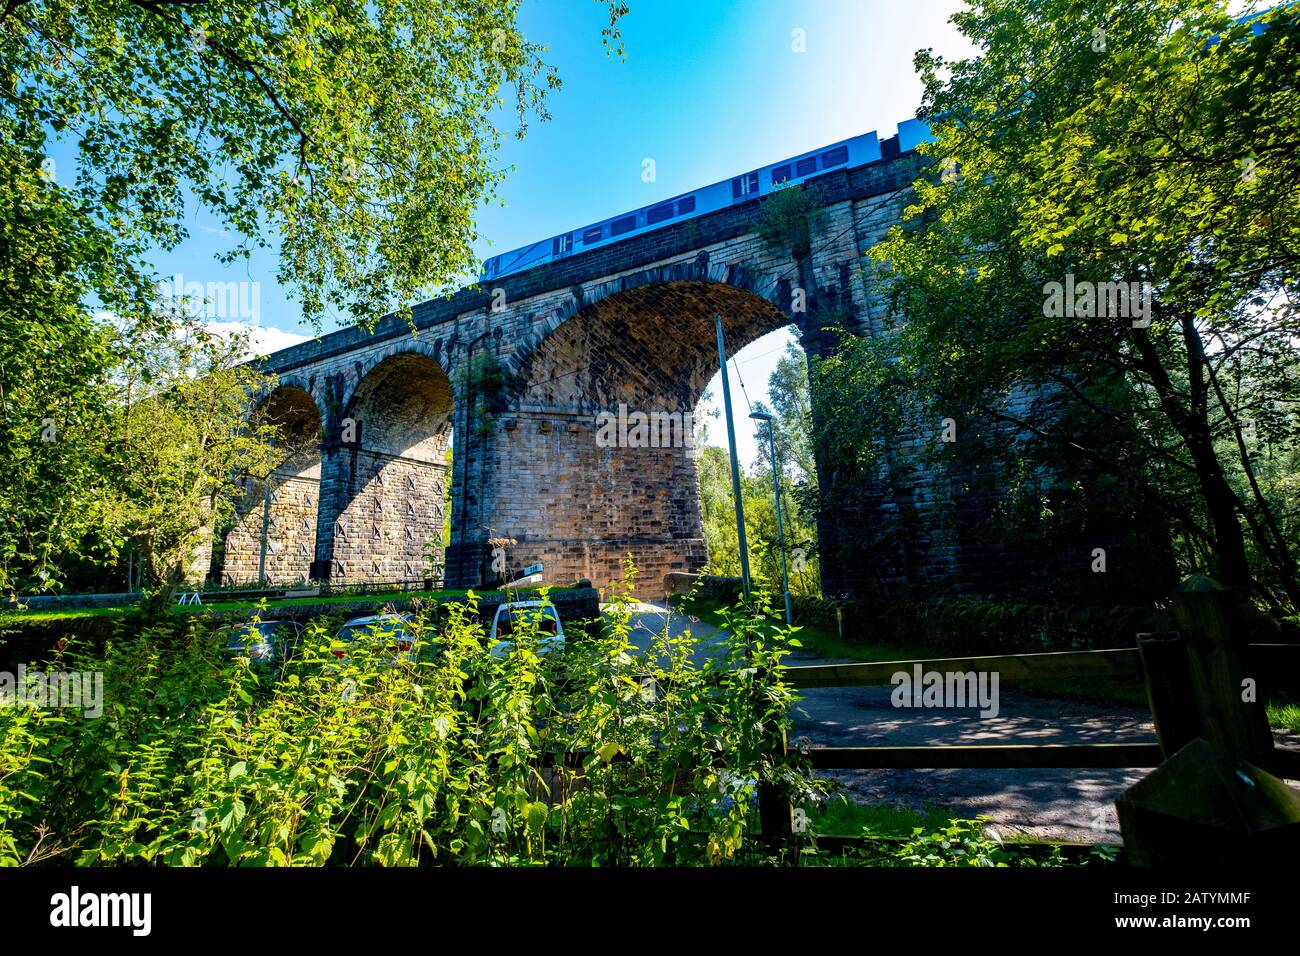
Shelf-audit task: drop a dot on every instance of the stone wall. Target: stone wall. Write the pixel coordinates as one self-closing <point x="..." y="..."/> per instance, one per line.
<point x="580" y="508"/>
<point x="521" y="371"/>
<point x="290" y="531"/>
<point x="383" y="532"/>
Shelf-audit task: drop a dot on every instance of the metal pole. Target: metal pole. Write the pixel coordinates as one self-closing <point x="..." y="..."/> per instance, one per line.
<point x="266" y="515"/>
<point x="735" y="463"/>
<point x="780" y="532"/>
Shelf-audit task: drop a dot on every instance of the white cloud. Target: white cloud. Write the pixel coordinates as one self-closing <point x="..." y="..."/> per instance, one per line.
<point x="262" y="339"/>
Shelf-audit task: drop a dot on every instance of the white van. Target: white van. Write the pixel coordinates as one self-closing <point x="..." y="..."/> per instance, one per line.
<point x="514" y="613"/>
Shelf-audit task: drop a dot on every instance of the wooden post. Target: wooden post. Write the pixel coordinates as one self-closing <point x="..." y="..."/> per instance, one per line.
<point x="1208" y="619"/>
<point x="1169" y="690"/>
<point x="775" y="815"/>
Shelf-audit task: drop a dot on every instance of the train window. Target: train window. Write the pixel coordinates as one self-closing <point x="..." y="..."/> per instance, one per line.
<point x="686" y="205"/>
<point x="835" y="157"/>
<point x="591" y="235"/>
<point x="744" y="186"/>
<point x="659" y="213"/>
<point x="806" y="166"/>
<point x="780" y="174"/>
<point x="619" y="226"/>
<point x="562" y="245"/>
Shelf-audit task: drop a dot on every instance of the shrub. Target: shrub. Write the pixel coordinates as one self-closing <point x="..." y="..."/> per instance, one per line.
<point x="600" y="755"/>
<point x="982" y="627"/>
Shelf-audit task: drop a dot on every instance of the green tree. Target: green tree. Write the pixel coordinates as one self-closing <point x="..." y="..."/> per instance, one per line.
<point x="787" y="389"/>
<point x="797" y="479"/>
<point x="718" y="510"/>
<point x="361" y="134"/>
<point x="54" y="363"/>
<point x="1151" y="145"/>
<point x="356" y="138"/>
<point x="184" y="443"/>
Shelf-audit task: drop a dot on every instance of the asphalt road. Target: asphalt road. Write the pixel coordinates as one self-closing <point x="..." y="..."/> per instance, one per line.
<point x="1076" y="805"/>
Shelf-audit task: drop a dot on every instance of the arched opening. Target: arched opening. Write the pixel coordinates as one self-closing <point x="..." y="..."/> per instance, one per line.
<point x="272" y="536"/>
<point x="394" y="444"/>
<point x="767" y="376"/>
<point x="606" y="412"/>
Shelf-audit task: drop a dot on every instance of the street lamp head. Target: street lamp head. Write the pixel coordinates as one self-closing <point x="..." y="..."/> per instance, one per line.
<point x="761" y="416"/>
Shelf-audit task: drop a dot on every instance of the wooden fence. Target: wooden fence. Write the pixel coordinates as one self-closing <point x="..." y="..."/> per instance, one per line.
<point x="1197" y="684"/>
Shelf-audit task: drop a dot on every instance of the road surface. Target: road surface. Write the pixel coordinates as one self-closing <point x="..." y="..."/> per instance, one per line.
<point x="1068" y="804"/>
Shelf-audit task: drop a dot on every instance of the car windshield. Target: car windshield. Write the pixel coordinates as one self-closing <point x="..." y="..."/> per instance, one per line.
<point x="519" y="617"/>
<point x="249" y="633"/>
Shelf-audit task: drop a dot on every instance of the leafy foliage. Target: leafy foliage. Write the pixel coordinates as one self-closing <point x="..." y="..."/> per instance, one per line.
<point x="791" y="216"/>
<point x="361" y="133"/>
<point x="980" y="627"/>
<point x="1151" y="145"/>
<point x="792" y="411"/>
<point x="357" y="139"/>
<point x="595" y="756"/>
<point x="183" y="442"/>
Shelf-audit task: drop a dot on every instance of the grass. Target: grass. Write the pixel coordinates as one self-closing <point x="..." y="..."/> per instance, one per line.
<point x="1284" y="714"/>
<point x="79" y="613"/>
<point x="350" y="597"/>
<point x="854" y="834"/>
<point x="839" y="816"/>
<point x="345" y="598"/>
<point x="823" y="643"/>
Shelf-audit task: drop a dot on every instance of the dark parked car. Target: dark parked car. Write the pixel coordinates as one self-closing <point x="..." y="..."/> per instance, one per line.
<point x="268" y="645"/>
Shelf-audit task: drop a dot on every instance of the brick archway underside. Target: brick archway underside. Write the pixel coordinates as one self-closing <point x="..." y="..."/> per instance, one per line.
<point x="387" y="472"/>
<point x="570" y="497"/>
<point x="287" y="508"/>
<point x="651" y="344"/>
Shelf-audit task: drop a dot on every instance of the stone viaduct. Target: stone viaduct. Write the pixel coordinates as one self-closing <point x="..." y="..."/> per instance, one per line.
<point x="518" y="371"/>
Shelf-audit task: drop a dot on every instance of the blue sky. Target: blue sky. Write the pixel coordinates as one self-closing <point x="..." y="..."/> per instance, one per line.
<point x="708" y="88"/>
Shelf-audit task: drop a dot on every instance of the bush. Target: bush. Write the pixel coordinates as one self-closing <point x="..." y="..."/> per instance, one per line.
<point x="982" y="627"/>
<point x="599" y="755"/>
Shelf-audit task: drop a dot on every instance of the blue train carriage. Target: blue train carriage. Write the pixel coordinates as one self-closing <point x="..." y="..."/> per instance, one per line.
<point x="846" y="154"/>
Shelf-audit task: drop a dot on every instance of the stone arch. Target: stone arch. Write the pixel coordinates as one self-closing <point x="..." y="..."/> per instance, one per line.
<point x="284" y="509"/>
<point x="744" y="296"/>
<point x="385" y="470"/>
<point x="408" y="350"/>
<point x="644" y="344"/>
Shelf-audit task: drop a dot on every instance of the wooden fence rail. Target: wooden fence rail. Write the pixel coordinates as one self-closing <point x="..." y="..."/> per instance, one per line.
<point x="1120" y="662"/>
<point x="1195" y="682"/>
<point x="985" y="756"/>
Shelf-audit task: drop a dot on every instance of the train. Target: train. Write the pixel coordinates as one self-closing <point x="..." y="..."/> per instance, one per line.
<point x="846" y="154"/>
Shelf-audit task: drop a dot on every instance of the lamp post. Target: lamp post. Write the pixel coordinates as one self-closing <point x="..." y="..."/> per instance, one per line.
<point x="776" y="490"/>
<point x="735" y="462"/>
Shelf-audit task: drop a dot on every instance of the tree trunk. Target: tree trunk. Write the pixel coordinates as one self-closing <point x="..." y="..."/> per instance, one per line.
<point x="1191" y="421"/>
<point x="1233" y="567"/>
